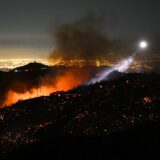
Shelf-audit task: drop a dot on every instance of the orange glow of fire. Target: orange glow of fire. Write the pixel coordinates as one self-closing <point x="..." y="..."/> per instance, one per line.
<point x="13" y="97"/>
<point x="65" y="82"/>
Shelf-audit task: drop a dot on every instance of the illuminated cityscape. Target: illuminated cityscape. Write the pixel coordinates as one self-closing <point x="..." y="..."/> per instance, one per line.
<point x="144" y="64"/>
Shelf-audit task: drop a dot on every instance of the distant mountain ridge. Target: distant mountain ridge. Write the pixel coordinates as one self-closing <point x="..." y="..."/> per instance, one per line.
<point x="33" y="66"/>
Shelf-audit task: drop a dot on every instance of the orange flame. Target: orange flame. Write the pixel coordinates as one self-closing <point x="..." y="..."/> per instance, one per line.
<point x="65" y="82"/>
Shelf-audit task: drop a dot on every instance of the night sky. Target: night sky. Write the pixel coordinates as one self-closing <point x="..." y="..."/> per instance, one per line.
<point x="25" y="25"/>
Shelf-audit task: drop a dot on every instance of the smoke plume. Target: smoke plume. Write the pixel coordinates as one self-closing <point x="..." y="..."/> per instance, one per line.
<point x="83" y="39"/>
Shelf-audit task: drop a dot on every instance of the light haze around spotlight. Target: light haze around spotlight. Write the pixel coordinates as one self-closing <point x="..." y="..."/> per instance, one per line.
<point x="121" y="67"/>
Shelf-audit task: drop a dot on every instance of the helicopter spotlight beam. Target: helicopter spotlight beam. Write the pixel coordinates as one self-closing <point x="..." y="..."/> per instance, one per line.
<point x="121" y="67"/>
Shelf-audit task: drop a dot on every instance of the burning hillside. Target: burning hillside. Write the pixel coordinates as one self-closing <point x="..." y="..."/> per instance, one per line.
<point x="99" y="110"/>
<point x="41" y="84"/>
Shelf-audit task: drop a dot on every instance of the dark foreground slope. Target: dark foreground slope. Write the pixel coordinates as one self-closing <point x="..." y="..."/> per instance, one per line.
<point x="117" y="119"/>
